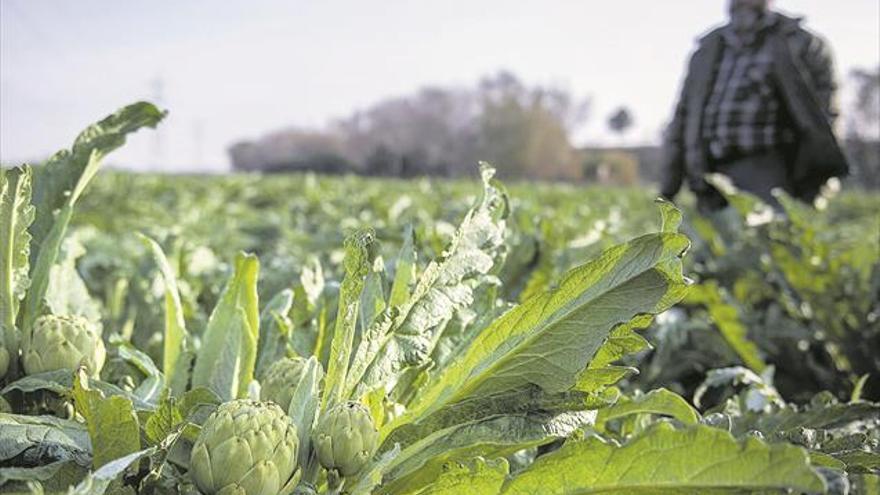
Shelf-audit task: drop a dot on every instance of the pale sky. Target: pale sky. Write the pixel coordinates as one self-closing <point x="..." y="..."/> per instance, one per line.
<point x="236" y="70"/>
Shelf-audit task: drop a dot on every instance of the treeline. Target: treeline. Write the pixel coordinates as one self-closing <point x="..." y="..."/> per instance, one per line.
<point x="862" y="140"/>
<point x="437" y="131"/>
<point x="524" y="130"/>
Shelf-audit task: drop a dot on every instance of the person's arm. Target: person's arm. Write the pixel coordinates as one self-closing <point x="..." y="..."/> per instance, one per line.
<point x="816" y="56"/>
<point x="672" y="165"/>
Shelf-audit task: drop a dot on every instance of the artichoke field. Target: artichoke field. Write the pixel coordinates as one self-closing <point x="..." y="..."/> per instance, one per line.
<point x="482" y="343"/>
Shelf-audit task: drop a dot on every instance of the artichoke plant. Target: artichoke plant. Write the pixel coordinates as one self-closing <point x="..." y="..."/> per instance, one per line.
<point x="245" y="448"/>
<point x="345" y="438"/>
<point x="281" y="379"/>
<point x="63" y="342"/>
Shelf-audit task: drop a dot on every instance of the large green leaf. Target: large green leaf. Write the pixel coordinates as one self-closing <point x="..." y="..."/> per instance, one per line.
<point x="65" y="175"/>
<point x="838" y="435"/>
<point x="659" y="401"/>
<point x="373" y="300"/>
<point x="487" y="426"/>
<point x="445" y="286"/>
<point x="816" y="417"/>
<point x="491" y="436"/>
<point x="531" y="399"/>
<point x="112" y="423"/>
<point x="60" y="182"/>
<point x="307" y="299"/>
<point x="404" y="270"/>
<point x="669" y="461"/>
<point x="357" y="265"/>
<point x="61" y="381"/>
<point x="177" y="352"/>
<point x="549" y="340"/>
<point x="226" y="359"/>
<point x="16" y="215"/>
<point x="624" y="339"/>
<point x="174" y="413"/>
<point x="33" y="440"/>
<point x="99" y="481"/>
<point x="54" y="477"/>
<point x="67" y="293"/>
<point x="468" y="322"/>
<point x="304" y="405"/>
<point x="274" y="331"/>
<point x="150" y="388"/>
<point x="476" y="477"/>
<point x="303" y="411"/>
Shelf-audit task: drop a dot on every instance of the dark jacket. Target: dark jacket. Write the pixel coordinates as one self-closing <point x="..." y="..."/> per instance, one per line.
<point x="802" y="69"/>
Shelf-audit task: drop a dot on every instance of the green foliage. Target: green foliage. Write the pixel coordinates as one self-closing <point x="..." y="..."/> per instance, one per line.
<point x="398" y="345"/>
<point x="60" y="182"/>
<point x="474" y="340"/>
<point x="805" y="287"/>
<point x="112" y="424"/>
<point x="16" y="215"/>
<point x="659" y="401"/>
<point x="724" y="316"/>
<point x="225" y="362"/>
<point x="275" y="328"/>
<point x="694" y="460"/>
<point x="37" y="207"/>
<point x="304" y="404"/>
<point x="177" y="351"/>
<point x="357" y="264"/>
<point x="476" y="476"/>
<point x="34" y="440"/>
<point x="843" y="437"/>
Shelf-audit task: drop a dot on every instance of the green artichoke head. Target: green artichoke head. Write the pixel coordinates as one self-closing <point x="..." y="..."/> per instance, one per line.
<point x="280" y="381"/>
<point x="63" y="342"/>
<point x="345" y="438"/>
<point x="245" y="448"/>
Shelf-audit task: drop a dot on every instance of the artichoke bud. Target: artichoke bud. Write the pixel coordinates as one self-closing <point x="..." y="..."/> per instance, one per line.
<point x="245" y="448"/>
<point x="281" y="379"/>
<point x="345" y="438"/>
<point x="63" y="342"/>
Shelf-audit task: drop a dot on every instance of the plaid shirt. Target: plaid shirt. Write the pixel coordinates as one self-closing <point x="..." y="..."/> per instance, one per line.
<point x="742" y="114"/>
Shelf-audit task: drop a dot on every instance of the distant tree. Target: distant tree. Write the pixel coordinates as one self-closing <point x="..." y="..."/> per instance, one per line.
<point x="863" y="128"/>
<point x="620" y="121"/>
<point x="245" y="156"/>
<point x="382" y="161"/>
<point x="291" y="149"/>
<point x="428" y="132"/>
<point x="865" y="113"/>
<point x="525" y="131"/>
<point x="610" y="167"/>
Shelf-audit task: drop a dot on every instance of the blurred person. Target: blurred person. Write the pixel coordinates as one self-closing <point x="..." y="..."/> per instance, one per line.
<point x="757" y="106"/>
